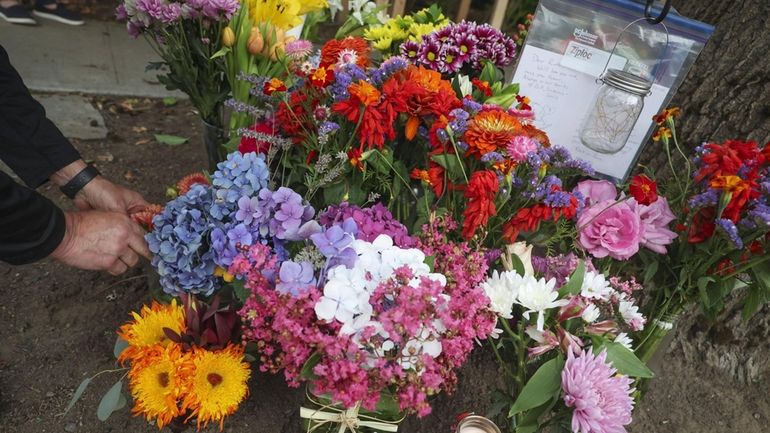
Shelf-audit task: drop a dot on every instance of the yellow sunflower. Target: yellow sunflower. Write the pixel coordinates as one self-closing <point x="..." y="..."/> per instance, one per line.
<point x="147" y="328"/>
<point x="216" y="385"/>
<point x="156" y="383"/>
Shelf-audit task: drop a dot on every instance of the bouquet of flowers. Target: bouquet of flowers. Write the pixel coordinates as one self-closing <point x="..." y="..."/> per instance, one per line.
<point x="185" y="34"/>
<point x="372" y="318"/>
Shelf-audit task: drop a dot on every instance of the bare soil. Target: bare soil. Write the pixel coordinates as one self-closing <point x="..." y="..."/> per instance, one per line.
<point x="58" y="326"/>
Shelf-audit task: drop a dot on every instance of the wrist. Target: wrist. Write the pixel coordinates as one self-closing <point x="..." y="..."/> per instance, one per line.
<point x="71" y="221"/>
<point x="64" y="175"/>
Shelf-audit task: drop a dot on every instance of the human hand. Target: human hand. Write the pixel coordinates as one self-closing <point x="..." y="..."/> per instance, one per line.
<point x="101" y="194"/>
<point x="104" y="241"/>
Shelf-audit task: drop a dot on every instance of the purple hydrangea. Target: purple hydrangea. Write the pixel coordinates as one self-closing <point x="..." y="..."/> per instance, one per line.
<point x="371" y="221"/>
<point x="180" y="244"/>
<point x="295" y="278"/>
<point x="335" y="243"/>
<point x="287" y="211"/>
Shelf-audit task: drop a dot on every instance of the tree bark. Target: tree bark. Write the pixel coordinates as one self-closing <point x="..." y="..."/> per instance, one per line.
<point x="727" y="92"/>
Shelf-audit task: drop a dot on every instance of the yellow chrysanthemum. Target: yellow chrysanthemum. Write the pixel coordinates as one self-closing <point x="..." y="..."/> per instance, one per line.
<point x="147" y="328"/>
<point x="283" y="14"/>
<point x="156" y="383"/>
<point x="216" y="385"/>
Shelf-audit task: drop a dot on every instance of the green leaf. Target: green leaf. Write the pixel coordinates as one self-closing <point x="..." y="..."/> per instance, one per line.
<point x="307" y="369"/>
<point x="761" y="274"/>
<point x="753" y="301"/>
<point x="171" y="140"/>
<point x="240" y="290"/>
<point x="624" y="360"/>
<point x="334" y="193"/>
<point x="120" y="346"/>
<point x="78" y="393"/>
<point x="541" y="387"/>
<point x="430" y="261"/>
<point x="650" y="272"/>
<point x="575" y="281"/>
<point x="703" y="283"/>
<point x="169" y="101"/>
<point x="110" y="402"/>
<point x="451" y="164"/>
<point x="489" y="73"/>
<point x="518" y="265"/>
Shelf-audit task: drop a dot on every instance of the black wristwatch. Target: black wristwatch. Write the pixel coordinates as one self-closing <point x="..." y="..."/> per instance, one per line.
<point x="79" y="181"/>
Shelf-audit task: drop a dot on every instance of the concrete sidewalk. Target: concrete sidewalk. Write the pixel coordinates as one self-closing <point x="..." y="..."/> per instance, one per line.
<point x="98" y="57"/>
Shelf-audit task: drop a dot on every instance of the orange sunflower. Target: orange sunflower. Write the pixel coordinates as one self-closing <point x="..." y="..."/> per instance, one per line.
<point x="491" y="130"/>
<point x="156" y="383"/>
<point x="146" y="329"/>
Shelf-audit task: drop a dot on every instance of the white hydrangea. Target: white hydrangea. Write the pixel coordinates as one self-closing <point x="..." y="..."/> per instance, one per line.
<point x="502" y="288"/>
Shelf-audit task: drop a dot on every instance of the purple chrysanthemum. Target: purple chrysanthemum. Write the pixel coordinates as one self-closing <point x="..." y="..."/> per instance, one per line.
<point x="410" y="50"/>
<point x="601" y="399"/>
<point x="430" y="53"/>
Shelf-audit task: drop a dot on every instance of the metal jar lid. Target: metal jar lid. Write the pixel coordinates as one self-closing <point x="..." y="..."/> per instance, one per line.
<point x="479" y="422"/>
<point x="627" y="82"/>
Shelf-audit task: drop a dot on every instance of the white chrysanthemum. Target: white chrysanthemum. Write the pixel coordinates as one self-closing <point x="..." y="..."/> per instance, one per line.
<point x="595" y="286"/>
<point x="538" y="296"/>
<point x="591" y="313"/>
<point x="631" y="315"/>
<point x="502" y="289"/>
<point x="625" y="340"/>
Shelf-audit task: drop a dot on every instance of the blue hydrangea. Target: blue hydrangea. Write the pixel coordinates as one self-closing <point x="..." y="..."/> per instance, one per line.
<point x="240" y="175"/>
<point x="180" y="244"/>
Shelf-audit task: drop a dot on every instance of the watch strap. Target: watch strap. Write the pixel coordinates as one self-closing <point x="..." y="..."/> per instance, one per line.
<point x="79" y="181"/>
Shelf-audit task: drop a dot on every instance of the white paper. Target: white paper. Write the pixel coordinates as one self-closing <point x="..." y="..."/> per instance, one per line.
<point x="562" y="97"/>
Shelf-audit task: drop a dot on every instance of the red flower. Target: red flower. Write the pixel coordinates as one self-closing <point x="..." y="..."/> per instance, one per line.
<point x="274" y="85"/>
<point x="354" y="155"/>
<point x="702" y="226"/>
<point x="145" y="216"/>
<point x="727" y="158"/>
<point x="480" y="192"/>
<point x="526" y="219"/>
<point x="330" y="52"/>
<point x="294" y="118"/>
<point x="644" y="189"/>
<point x="188" y="181"/>
<point x="523" y="103"/>
<point x="433" y="176"/>
<point x="321" y="77"/>
<point x="253" y="144"/>
<point x="483" y="86"/>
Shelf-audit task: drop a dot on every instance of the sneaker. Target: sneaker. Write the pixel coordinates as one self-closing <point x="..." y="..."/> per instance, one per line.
<point x="60" y="14"/>
<point x="16" y="14"/>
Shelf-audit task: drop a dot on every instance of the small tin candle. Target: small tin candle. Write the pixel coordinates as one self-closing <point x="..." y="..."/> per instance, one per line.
<point x="476" y="424"/>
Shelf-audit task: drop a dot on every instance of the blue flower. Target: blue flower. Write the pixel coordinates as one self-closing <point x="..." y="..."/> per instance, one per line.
<point x="731" y="231"/>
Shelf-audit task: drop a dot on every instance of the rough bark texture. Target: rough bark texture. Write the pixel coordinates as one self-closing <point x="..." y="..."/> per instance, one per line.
<point x="727" y="93"/>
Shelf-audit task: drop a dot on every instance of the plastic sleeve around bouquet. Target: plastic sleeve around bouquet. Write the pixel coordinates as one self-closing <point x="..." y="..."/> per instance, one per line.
<point x="321" y="415"/>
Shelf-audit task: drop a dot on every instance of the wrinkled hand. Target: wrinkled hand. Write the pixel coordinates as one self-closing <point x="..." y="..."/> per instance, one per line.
<point x="104" y="241"/>
<point x="101" y="194"/>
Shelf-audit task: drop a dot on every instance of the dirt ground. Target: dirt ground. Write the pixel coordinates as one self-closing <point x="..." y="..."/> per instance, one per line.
<point x="58" y="326"/>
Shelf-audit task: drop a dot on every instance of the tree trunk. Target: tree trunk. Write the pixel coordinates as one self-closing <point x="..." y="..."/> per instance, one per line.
<point x="727" y="93"/>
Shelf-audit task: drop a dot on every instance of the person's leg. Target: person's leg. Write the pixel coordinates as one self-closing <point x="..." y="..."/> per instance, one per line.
<point x="51" y="10"/>
<point x="13" y="12"/>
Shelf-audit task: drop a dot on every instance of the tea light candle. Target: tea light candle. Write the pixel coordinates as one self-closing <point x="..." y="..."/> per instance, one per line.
<point x="476" y="424"/>
<point x="471" y="429"/>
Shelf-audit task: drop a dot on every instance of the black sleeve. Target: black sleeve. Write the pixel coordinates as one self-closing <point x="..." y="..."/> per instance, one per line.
<point x="31" y="226"/>
<point x="29" y="143"/>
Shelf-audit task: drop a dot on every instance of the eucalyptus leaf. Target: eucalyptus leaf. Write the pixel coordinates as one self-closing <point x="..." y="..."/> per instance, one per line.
<point x="171" y="140"/>
<point x="110" y="402"/>
<point x="78" y="393"/>
<point x="120" y="346"/>
<point x="540" y="388"/>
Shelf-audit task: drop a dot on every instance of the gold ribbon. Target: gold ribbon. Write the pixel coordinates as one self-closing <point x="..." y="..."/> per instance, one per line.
<point x="349" y="420"/>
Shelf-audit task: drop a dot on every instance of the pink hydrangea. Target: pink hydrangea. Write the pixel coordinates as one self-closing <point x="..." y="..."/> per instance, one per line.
<point x="600" y="398"/>
<point x="610" y="228"/>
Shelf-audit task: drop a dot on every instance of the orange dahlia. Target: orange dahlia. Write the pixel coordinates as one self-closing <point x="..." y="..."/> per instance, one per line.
<point x="144" y="217"/>
<point x="491" y="130"/>
<point x="188" y="181"/>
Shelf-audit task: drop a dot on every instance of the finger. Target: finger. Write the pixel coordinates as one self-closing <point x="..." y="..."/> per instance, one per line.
<point x="117" y="268"/>
<point x="137" y="243"/>
<point x="130" y="258"/>
<point x="81" y="204"/>
<point x="136" y="203"/>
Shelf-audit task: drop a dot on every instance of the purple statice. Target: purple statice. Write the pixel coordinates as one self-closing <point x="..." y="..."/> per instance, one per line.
<point x="459" y="122"/>
<point x="344" y="76"/>
<point x="288" y="212"/>
<point x="599" y="397"/>
<point x="242" y="107"/>
<point x="371" y="222"/>
<point x="325" y="130"/>
<point x="387" y="69"/>
<point x="758" y="216"/>
<point x="335" y="243"/>
<point x="710" y="197"/>
<point x="472" y="106"/>
<point x="239" y="175"/>
<point x="179" y="242"/>
<point x="492" y="157"/>
<point x="558" y="198"/>
<point x="729" y="229"/>
<point x="295" y="278"/>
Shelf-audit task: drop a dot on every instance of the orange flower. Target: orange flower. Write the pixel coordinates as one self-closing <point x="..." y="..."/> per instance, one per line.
<point x="729" y="183"/>
<point x="662" y="133"/>
<point x="187" y="182"/>
<point x="427" y="79"/>
<point x="144" y="217"/>
<point x="330" y="52"/>
<point x="274" y="85"/>
<point x="365" y="92"/>
<point x="321" y="77"/>
<point x="668" y="113"/>
<point x="491" y="130"/>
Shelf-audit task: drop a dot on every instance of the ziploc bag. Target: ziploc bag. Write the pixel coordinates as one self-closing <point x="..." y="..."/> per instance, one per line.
<point x="570" y="45"/>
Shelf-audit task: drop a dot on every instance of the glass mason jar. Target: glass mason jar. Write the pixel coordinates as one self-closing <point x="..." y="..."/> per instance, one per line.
<point x="615" y="111"/>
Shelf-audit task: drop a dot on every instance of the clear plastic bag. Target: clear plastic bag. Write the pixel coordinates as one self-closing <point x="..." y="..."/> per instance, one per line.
<point x="570" y="46"/>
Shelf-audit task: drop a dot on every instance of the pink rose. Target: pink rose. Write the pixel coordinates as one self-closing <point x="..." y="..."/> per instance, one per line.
<point x="610" y="228"/>
<point x="596" y="190"/>
<point x="655" y="219"/>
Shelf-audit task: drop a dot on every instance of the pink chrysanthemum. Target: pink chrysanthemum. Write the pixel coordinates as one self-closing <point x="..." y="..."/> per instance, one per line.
<point x="601" y="399"/>
<point x="520" y="146"/>
<point x="299" y="49"/>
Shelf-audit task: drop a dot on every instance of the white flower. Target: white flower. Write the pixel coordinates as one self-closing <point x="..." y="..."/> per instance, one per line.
<point x="537" y="296"/>
<point x="344" y="295"/>
<point x="595" y="286"/>
<point x="427" y="343"/>
<point x="631" y="315"/>
<point x="625" y="340"/>
<point x="464" y="82"/>
<point x="591" y="313"/>
<point x="524" y="252"/>
<point x="502" y="289"/>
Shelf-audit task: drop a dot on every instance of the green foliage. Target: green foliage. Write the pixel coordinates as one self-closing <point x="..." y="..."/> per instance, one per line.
<point x="624" y="360"/>
<point x="575" y="281"/>
<point x="78" y="393"/>
<point x="541" y="387"/>
<point x="112" y="401"/>
<point x="171" y="140"/>
<point x="307" y="369"/>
